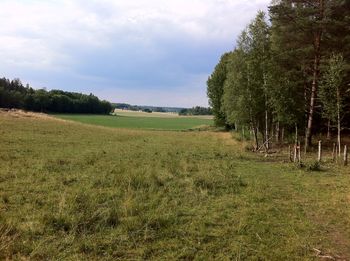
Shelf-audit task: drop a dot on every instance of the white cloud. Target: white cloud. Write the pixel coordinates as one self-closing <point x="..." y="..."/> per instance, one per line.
<point x="47" y="35"/>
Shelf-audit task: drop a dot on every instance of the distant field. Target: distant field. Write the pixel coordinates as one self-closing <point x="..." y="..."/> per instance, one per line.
<point x="157" y="114"/>
<point x="135" y="122"/>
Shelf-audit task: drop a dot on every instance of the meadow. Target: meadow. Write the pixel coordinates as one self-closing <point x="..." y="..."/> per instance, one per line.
<point x="70" y="191"/>
<point x="140" y="120"/>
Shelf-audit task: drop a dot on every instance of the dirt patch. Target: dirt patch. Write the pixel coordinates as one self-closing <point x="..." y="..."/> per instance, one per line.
<point x="227" y="139"/>
<point x="16" y="113"/>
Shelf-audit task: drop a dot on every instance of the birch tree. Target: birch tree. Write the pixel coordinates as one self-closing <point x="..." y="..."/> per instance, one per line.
<point x="215" y="90"/>
<point x="333" y="91"/>
<point x="245" y="96"/>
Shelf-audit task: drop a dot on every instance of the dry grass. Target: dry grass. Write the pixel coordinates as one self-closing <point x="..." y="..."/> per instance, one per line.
<point x="17" y="113"/>
<point x="70" y="191"/>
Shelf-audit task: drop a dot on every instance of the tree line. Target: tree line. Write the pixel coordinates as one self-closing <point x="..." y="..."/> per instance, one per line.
<point x="197" y="110"/>
<point x="289" y="73"/>
<point x="13" y="94"/>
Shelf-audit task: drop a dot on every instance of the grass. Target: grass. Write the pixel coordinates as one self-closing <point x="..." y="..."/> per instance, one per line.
<point x="136" y="122"/>
<point x="80" y="192"/>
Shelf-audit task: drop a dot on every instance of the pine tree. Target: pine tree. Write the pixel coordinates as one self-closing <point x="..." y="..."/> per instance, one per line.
<point x="303" y="25"/>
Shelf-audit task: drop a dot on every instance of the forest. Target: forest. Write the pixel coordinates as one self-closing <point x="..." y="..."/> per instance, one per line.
<point x="288" y="75"/>
<point x="13" y="94"/>
<point x="197" y="110"/>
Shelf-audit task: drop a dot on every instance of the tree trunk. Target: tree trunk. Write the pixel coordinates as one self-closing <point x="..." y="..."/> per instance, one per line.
<point x="308" y="136"/>
<point x="329" y="130"/>
<point x="255" y="131"/>
<point x="315" y="77"/>
<point x="338" y="119"/>
<point x="267" y="130"/>
<point x="345" y="155"/>
<point x="278" y="132"/>
<point x="319" y="158"/>
<point x="272" y="130"/>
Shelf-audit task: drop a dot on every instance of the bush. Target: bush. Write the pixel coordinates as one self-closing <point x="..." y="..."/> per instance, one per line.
<point x="314" y="166"/>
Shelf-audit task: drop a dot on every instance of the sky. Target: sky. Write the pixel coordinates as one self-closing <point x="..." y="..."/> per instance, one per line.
<point x="145" y="52"/>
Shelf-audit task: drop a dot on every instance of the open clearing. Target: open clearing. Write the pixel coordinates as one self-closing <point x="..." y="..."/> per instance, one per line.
<point x="80" y="192"/>
<point x="139" y="122"/>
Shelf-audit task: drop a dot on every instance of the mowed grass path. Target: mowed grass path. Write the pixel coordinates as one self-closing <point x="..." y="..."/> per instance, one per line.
<point x="80" y="192"/>
<point x="132" y="122"/>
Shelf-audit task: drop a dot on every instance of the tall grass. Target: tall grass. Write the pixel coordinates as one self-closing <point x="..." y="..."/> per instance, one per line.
<point x="75" y="192"/>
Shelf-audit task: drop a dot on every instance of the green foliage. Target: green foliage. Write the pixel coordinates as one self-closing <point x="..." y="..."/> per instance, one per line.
<point x="273" y="74"/>
<point x="333" y="88"/>
<point x="14" y="95"/>
<point x="314" y="166"/>
<point x="236" y="96"/>
<point x="304" y="34"/>
<point x="215" y="90"/>
<point x="197" y="110"/>
<point x="245" y="92"/>
<point x="286" y="86"/>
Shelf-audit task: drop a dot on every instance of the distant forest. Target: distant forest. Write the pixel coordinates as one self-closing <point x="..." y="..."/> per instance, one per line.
<point x="126" y="106"/>
<point x="13" y="94"/>
<point x="288" y="75"/>
<point x="197" y="110"/>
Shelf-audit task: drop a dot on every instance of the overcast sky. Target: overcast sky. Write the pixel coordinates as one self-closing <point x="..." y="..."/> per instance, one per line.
<point x="146" y="52"/>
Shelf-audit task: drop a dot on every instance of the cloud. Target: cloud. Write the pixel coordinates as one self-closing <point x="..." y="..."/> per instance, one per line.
<point x="166" y="48"/>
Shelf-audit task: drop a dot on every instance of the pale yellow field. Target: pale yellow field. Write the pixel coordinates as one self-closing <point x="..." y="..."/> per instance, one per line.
<point x="155" y="114"/>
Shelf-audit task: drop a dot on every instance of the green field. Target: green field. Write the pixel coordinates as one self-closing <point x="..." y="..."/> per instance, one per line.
<point x="134" y="122"/>
<point x="79" y="192"/>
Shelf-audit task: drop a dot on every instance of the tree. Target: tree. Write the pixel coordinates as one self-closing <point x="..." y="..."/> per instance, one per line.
<point x="14" y="95"/>
<point x="287" y="83"/>
<point x="215" y="90"/>
<point x="147" y="110"/>
<point x="245" y="94"/>
<point x="238" y="98"/>
<point x="259" y="56"/>
<point x="307" y="27"/>
<point x="333" y="91"/>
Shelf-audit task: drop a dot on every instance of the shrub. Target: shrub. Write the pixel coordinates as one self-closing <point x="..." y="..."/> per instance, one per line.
<point x="314" y="166"/>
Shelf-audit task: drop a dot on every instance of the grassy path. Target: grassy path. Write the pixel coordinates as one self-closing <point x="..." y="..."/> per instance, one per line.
<point x="71" y="191"/>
